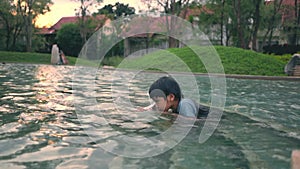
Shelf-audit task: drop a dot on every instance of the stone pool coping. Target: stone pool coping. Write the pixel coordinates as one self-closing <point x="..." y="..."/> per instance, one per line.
<point x="254" y="77"/>
<point x="258" y="77"/>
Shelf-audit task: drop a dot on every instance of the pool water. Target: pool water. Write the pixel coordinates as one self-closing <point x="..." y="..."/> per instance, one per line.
<point x="41" y="127"/>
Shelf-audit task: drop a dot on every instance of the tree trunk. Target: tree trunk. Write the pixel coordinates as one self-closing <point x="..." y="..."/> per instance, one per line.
<point x="239" y="25"/>
<point x="83" y="31"/>
<point x="172" y="41"/>
<point x="147" y="42"/>
<point x="126" y="47"/>
<point x="222" y="22"/>
<point x="28" y="28"/>
<point x="8" y="34"/>
<point x="17" y="30"/>
<point x="294" y="25"/>
<point x="256" y="24"/>
<point x="298" y="22"/>
<point x="173" y="7"/>
<point x="240" y="35"/>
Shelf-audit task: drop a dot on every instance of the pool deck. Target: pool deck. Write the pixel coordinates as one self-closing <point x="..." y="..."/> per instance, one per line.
<point x="255" y="77"/>
<point x="289" y="78"/>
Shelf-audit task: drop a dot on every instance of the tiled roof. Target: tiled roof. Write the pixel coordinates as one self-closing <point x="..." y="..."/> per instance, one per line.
<point x="66" y="20"/>
<point x="148" y="26"/>
<point x="196" y="11"/>
<point x="44" y="31"/>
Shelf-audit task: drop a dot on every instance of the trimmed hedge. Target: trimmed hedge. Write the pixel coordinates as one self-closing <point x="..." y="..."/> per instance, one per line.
<point x="281" y="49"/>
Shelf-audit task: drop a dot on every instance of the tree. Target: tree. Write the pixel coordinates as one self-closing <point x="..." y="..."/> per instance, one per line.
<point x="270" y="19"/>
<point x="123" y="10"/>
<point x="239" y="20"/>
<point x="222" y="21"/>
<point x="239" y="25"/>
<point x="218" y="16"/>
<point x="29" y="10"/>
<point x="218" y="21"/>
<point x="256" y="22"/>
<point x="6" y="8"/>
<point x="83" y="12"/>
<point x="106" y="10"/>
<point x="117" y="10"/>
<point x="172" y="7"/>
<point x="69" y="39"/>
<point x="296" y="23"/>
<point x="12" y="23"/>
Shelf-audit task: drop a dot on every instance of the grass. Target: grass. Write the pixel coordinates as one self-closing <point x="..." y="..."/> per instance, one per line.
<point x="234" y="61"/>
<point x="34" y="58"/>
<point x="44" y="58"/>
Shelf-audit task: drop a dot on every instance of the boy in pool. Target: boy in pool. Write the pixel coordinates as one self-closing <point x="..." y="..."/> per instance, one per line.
<point x="166" y="94"/>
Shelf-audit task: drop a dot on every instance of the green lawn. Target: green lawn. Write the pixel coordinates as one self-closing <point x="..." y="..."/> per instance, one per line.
<point x="25" y="57"/>
<point x="234" y="61"/>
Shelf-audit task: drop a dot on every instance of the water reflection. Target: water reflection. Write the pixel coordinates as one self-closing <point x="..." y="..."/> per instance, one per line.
<point x="39" y="127"/>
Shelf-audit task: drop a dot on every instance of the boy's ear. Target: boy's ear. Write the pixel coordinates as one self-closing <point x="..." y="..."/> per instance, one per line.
<point x="171" y="97"/>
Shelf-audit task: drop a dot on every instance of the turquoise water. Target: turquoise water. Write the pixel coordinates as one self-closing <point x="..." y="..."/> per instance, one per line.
<point x="41" y="127"/>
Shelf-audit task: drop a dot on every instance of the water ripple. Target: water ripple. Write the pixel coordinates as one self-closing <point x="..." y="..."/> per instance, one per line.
<point x="41" y="127"/>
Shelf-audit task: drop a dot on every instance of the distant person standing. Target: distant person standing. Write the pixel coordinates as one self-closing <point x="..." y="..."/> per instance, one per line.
<point x="55" y="58"/>
<point x="63" y="58"/>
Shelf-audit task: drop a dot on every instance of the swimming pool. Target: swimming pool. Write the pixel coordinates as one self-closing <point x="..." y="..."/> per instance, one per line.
<point x="39" y="126"/>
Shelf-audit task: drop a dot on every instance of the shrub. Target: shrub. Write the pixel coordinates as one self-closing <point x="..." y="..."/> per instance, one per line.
<point x="69" y="39"/>
<point x="281" y="49"/>
<point x="112" y="61"/>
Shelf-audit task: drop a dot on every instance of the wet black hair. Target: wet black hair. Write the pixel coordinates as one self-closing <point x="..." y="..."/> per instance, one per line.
<point x="165" y="86"/>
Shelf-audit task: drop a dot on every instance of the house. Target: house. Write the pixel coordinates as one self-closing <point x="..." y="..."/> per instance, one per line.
<point x="144" y="34"/>
<point x="50" y="33"/>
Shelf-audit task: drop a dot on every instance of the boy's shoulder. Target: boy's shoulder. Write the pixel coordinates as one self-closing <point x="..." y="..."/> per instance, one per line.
<point x="187" y="101"/>
<point x="200" y="110"/>
<point x="188" y="107"/>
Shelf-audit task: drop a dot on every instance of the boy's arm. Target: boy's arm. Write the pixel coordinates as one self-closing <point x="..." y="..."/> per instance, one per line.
<point x="147" y="108"/>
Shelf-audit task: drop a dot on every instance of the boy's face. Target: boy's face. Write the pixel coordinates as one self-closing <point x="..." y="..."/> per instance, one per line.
<point x="164" y="104"/>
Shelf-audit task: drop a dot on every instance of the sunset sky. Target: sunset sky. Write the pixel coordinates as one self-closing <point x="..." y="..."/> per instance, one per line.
<point x="62" y="8"/>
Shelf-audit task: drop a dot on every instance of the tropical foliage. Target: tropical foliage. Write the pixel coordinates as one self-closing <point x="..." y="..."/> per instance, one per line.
<point x="244" y="23"/>
<point x="69" y="39"/>
<point x="17" y="19"/>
